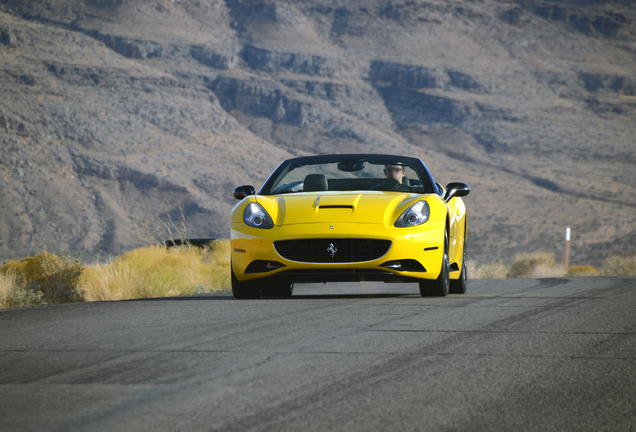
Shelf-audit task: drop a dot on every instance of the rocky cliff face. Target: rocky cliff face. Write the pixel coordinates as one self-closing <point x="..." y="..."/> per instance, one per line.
<point x="115" y="112"/>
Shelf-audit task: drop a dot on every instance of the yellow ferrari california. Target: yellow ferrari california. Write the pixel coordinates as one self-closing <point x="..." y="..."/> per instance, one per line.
<point x="354" y="217"/>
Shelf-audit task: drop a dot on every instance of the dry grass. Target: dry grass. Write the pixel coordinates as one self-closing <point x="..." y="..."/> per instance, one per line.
<point x="526" y="265"/>
<point x="155" y="271"/>
<point x="535" y="265"/>
<point x="152" y="271"/>
<point x="623" y="265"/>
<point x="544" y="265"/>
<point x="583" y="271"/>
<point x="7" y="287"/>
<point x="496" y="270"/>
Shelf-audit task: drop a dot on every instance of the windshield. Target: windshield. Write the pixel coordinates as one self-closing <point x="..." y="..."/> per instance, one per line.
<point x="352" y="174"/>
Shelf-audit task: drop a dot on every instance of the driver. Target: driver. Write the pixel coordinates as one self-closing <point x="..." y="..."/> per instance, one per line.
<point x="396" y="172"/>
<point x="394" y="179"/>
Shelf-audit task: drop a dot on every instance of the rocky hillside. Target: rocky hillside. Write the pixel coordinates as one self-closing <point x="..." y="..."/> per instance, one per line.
<point x="116" y="111"/>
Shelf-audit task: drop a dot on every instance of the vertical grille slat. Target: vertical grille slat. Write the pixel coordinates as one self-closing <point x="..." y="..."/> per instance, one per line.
<point x="348" y="250"/>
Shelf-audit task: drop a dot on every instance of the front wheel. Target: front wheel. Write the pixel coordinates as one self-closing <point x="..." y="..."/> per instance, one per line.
<point x="459" y="286"/>
<point x="439" y="286"/>
<point x="244" y="290"/>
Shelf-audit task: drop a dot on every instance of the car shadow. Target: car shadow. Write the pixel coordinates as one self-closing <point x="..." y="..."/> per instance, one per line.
<point x="227" y="295"/>
<point x="341" y="296"/>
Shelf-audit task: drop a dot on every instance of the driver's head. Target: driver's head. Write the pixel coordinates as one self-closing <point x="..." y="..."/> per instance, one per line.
<point x="396" y="172"/>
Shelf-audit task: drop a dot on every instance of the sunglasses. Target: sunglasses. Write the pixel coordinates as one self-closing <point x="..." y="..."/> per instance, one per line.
<point x="395" y="169"/>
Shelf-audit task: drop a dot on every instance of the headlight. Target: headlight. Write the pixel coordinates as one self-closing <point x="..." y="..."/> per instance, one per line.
<point x="256" y="216"/>
<point x="415" y="215"/>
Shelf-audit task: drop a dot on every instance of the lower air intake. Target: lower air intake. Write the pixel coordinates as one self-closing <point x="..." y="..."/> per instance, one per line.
<point x="340" y="250"/>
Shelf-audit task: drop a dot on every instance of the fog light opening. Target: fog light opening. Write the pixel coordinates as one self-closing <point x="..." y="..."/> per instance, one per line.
<point x="407" y="265"/>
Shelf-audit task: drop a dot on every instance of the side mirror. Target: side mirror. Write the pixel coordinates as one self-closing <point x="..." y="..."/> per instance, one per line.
<point x="456" y="189"/>
<point x="241" y="192"/>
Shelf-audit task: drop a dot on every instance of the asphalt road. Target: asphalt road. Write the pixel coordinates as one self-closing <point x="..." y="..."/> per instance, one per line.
<point x="510" y="355"/>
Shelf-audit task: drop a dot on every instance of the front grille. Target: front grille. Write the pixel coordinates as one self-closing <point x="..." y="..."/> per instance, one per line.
<point x="321" y="250"/>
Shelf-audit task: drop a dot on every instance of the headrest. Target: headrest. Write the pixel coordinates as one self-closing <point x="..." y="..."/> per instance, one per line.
<point x="315" y="182"/>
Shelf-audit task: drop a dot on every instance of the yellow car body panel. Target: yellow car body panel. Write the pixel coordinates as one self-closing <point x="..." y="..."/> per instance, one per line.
<point x="345" y="215"/>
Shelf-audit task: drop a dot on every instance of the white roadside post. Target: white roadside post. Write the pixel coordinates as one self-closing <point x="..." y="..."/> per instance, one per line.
<point x="567" y="249"/>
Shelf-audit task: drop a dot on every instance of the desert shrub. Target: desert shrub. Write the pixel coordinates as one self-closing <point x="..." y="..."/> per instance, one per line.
<point x="14" y="294"/>
<point x="624" y="265"/>
<point x="534" y="265"/>
<point x="586" y="270"/>
<point x="44" y="278"/>
<point x="156" y="271"/>
<point x="162" y="228"/>
<point x="496" y="270"/>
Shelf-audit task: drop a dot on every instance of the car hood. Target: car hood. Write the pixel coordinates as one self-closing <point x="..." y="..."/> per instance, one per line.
<point x="337" y="207"/>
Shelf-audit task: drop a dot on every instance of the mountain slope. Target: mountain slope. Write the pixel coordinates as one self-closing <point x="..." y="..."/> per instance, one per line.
<point x="116" y="111"/>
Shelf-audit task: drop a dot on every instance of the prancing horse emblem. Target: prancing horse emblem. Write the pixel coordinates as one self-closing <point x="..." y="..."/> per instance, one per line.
<point x="332" y="249"/>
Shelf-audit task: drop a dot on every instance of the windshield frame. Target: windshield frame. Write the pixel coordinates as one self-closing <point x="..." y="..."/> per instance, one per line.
<point x="428" y="184"/>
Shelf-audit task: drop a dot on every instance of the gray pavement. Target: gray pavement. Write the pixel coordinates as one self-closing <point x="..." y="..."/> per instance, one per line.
<point x="509" y="355"/>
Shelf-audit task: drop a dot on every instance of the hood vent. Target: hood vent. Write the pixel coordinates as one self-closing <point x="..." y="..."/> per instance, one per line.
<point x="336" y="207"/>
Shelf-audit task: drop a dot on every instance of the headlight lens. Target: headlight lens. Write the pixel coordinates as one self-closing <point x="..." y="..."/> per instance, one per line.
<point x="256" y="216"/>
<point x="415" y="215"/>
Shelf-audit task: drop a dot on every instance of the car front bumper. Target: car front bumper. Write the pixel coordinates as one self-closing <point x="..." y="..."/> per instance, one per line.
<point x="254" y="255"/>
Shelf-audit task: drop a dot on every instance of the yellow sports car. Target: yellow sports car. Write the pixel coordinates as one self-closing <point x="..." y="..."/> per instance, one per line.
<point x="357" y="217"/>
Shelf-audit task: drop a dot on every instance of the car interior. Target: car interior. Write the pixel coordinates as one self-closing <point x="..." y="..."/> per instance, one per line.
<point x="320" y="183"/>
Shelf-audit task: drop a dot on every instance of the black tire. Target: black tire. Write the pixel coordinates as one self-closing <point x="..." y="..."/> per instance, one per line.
<point x="244" y="290"/>
<point x="278" y="290"/>
<point x="459" y="286"/>
<point x="438" y="287"/>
